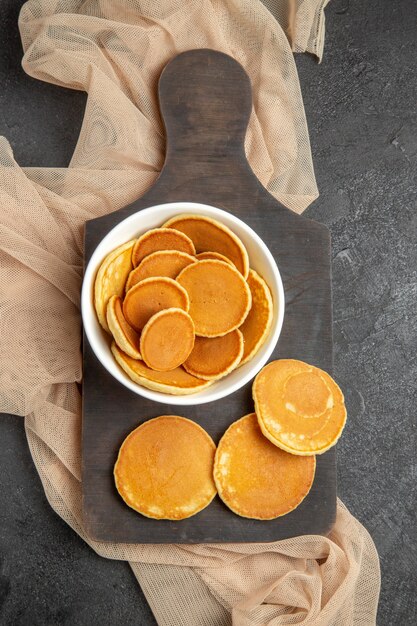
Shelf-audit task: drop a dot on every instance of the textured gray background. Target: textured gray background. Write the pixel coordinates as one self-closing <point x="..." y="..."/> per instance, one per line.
<point x="361" y="110"/>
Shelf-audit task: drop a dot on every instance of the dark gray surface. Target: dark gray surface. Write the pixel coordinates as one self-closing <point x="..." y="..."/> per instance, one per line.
<point x="361" y="110"/>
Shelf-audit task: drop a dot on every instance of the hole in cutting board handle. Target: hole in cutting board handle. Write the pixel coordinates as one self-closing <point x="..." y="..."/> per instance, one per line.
<point x="205" y="98"/>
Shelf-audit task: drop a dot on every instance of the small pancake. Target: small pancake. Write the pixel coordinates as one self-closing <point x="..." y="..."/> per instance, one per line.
<point x="300" y="408"/>
<point x="209" y="235"/>
<point x="214" y="357"/>
<point x="167" y="263"/>
<point x="150" y="296"/>
<point x="175" y="382"/>
<point x="124" y="335"/>
<point x="220" y="298"/>
<point x="160" y="239"/>
<point x="165" y="468"/>
<point x="256" y="479"/>
<point x="256" y="326"/>
<point x="111" y="278"/>
<point x="214" y="256"/>
<point x="167" y="339"/>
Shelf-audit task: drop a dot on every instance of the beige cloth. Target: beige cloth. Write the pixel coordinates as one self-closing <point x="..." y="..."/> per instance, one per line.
<point x="115" y="50"/>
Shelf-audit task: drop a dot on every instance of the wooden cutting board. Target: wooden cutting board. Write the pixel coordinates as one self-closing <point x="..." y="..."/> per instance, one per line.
<point x="205" y="99"/>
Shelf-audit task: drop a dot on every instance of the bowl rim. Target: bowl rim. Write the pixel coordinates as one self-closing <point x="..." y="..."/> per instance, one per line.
<point x="89" y="318"/>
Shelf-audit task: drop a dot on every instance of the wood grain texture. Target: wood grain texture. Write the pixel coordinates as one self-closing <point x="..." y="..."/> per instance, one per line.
<point x="205" y="99"/>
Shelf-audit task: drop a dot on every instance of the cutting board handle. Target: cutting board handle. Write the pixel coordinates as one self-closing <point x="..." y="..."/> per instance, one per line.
<point x="205" y="99"/>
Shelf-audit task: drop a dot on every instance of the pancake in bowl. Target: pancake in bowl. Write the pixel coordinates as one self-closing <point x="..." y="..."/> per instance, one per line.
<point x="256" y="479"/>
<point x="167" y="263"/>
<point x="124" y="335"/>
<point x="167" y="339"/>
<point x="300" y="408"/>
<point x="209" y="235"/>
<point x="151" y="296"/>
<point x="159" y="239"/>
<point x="164" y="469"/>
<point x="176" y="382"/>
<point x="220" y="298"/>
<point x="215" y="357"/>
<point x="111" y="278"/>
<point x="257" y="325"/>
<point x="213" y="256"/>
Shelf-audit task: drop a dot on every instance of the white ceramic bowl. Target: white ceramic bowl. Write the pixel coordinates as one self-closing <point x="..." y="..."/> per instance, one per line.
<point x="260" y="259"/>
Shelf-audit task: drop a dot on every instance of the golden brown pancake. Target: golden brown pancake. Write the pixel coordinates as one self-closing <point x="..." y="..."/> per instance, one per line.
<point x="175" y="382"/>
<point x="159" y="239"/>
<point x="167" y="263"/>
<point x="220" y="298"/>
<point x="150" y="296"/>
<point x="256" y="479"/>
<point x="300" y="408"/>
<point x="214" y="357"/>
<point x="111" y="278"/>
<point x="214" y="256"/>
<point x="256" y="326"/>
<point x="124" y="335"/>
<point x="209" y="235"/>
<point x="165" y="468"/>
<point x="167" y="339"/>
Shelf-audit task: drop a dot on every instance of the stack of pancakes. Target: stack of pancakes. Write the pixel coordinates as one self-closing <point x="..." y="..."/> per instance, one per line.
<point x="264" y="464"/>
<point x="182" y="305"/>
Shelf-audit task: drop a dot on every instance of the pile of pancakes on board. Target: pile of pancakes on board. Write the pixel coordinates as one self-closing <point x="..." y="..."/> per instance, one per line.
<point x="263" y="466"/>
<point x="182" y="305"/>
<point x="184" y="310"/>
